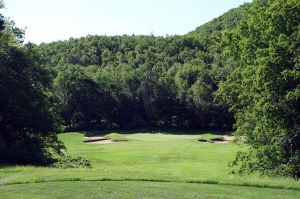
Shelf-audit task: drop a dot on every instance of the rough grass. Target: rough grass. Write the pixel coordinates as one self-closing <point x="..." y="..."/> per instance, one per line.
<point x="146" y="159"/>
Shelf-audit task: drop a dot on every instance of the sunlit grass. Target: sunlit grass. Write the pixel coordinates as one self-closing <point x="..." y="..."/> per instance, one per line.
<point x="148" y="156"/>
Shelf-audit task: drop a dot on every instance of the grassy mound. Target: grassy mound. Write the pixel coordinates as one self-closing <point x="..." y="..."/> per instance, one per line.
<point x="116" y="137"/>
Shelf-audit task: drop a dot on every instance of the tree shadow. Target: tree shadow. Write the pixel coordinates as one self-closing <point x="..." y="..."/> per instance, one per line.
<point x="171" y="131"/>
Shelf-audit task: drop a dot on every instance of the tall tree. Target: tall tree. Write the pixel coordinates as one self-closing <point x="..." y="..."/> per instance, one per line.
<point x="264" y="90"/>
<point x="28" y="122"/>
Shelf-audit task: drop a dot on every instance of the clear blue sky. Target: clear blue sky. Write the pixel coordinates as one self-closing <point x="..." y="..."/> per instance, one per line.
<point x="50" y="20"/>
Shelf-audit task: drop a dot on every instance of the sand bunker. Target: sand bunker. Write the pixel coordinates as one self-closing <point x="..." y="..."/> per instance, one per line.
<point x="220" y="142"/>
<point x="227" y="139"/>
<point x="98" y="140"/>
<point x="103" y="142"/>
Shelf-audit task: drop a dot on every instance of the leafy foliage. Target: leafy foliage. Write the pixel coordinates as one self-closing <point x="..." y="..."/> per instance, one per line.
<point x="28" y="121"/>
<point x="72" y="162"/>
<point x="263" y="91"/>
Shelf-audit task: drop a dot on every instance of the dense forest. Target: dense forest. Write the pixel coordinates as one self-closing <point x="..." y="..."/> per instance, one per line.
<point x="137" y="81"/>
<point x="237" y="71"/>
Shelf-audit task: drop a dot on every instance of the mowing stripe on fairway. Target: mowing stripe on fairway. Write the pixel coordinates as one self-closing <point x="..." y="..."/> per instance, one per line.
<point x="153" y="180"/>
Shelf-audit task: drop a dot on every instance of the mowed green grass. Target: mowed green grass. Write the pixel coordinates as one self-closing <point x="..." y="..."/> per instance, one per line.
<point x="148" y="165"/>
<point x="131" y="190"/>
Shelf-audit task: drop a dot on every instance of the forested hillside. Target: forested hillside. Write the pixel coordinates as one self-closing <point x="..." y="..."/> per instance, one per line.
<point x="137" y="81"/>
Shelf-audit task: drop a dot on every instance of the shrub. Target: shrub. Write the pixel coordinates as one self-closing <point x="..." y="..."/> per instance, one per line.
<point x="72" y="162"/>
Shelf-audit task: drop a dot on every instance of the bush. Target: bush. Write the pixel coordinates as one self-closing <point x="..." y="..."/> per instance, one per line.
<point x="72" y="162"/>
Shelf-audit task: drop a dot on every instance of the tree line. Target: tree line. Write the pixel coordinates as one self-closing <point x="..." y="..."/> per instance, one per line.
<point x="135" y="81"/>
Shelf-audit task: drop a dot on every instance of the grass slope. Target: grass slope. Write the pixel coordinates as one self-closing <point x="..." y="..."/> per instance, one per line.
<point x="160" y="157"/>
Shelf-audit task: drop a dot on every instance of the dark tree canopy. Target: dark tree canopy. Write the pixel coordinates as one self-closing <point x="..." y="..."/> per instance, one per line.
<point x="28" y="123"/>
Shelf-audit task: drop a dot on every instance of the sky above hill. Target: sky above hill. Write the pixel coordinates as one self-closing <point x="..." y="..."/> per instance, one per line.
<point x="51" y="20"/>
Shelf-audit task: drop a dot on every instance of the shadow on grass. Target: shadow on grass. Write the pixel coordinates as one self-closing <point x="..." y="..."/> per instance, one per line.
<point x="171" y="131"/>
<point x="8" y="166"/>
<point x="212" y="182"/>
